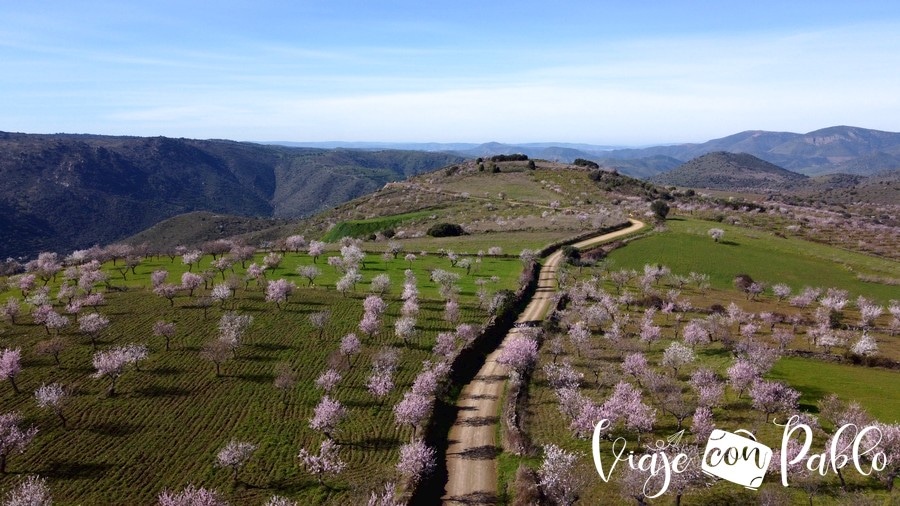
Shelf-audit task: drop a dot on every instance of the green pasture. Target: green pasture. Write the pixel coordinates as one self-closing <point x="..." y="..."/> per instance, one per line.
<point x="686" y="247"/>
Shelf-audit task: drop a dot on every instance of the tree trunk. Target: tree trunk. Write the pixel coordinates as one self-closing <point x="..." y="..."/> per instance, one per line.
<point x="12" y="381"/>
<point x="61" y="417"/>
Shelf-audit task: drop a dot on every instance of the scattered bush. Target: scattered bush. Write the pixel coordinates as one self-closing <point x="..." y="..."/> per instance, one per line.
<point x="445" y="230"/>
<point x="516" y="157"/>
<point x="581" y="162"/>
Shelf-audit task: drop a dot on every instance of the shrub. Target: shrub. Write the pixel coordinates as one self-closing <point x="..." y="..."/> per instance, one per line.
<point x="581" y="162"/>
<point x="516" y="157"/>
<point x="445" y="230"/>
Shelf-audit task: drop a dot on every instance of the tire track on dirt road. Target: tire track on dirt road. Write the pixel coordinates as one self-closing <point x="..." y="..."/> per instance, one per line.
<point x="472" y="451"/>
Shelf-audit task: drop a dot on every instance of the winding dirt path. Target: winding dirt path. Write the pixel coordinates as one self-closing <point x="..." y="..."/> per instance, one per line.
<point x="472" y="451"/>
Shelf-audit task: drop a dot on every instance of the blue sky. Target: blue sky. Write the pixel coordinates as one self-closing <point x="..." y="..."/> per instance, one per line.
<point x="596" y="72"/>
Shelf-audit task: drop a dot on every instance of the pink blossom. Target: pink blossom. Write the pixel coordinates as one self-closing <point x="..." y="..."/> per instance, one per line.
<point x="412" y="410"/>
<point x="405" y="328"/>
<point x="13" y="439"/>
<point x="278" y="291"/>
<point x="326" y="463"/>
<point x="158" y="277"/>
<point x="315" y="249"/>
<point x="518" y="353"/>
<point x="771" y="397"/>
<point x="695" y="333"/>
<point x="190" y="282"/>
<point x="327" y="415"/>
<point x="11" y="365"/>
<point x="192" y="496"/>
<point x="741" y="375"/>
<point x="52" y="396"/>
<point x="32" y="491"/>
<point x="560" y="478"/>
<point x="416" y="460"/>
<point x="235" y="455"/>
<point x="677" y="355"/>
<point x="451" y="311"/>
<point x="349" y="345"/>
<point x="370" y="324"/>
<point x="164" y="329"/>
<point x="375" y="305"/>
<point x="380" y="383"/>
<point x="635" y="364"/>
<point x="328" y="380"/>
<point x="702" y="424"/>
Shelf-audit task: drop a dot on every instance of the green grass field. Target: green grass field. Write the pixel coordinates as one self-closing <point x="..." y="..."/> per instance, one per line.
<point x="874" y="389"/>
<point x="169" y="419"/>
<point x="363" y="228"/>
<point x="686" y="247"/>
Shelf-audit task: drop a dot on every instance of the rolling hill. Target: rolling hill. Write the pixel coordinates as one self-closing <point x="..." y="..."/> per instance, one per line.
<point x="62" y="192"/>
<point x="729" y="171"/>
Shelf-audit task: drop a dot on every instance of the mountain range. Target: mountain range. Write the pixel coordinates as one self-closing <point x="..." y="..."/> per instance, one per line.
<point x="62" y="192"/>
<point x="838" y="149"/>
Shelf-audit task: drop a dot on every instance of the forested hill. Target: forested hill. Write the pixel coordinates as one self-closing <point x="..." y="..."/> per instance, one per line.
<point x="62" y="192"/>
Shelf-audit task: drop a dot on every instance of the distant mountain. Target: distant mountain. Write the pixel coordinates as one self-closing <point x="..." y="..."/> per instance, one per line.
<point x="63" y="192"/>
<point x="829" y="150"/>
<point x="729" y="171"/>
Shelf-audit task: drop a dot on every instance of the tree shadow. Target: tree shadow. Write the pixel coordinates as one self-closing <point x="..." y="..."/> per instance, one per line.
<point x="75" y="470"/>
<point x="258" y="378"/>
<point x="486" y="452"/>
<point x="161" y="391"/>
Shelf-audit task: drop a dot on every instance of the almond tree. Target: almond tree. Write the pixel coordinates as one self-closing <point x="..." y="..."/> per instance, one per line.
<point x="285" y="381"/>
<point x="519" y="353"/>
<point x="319" y="320"/>
<point x="771" y="397"/>
<point x="349" y="347"/>
<point x="741" y="376"/>
<point x="192" y="496"/>
<point x="92" y="325"/>
<point x="165" y="330"/>
<point x="168" y="291"/>
<point x="888" y="441"/>
<point x="190" y="282"/>
<point x="316" y="249"/>
<point x="417" y="460"/>
<point x="676" y="356"/>
<point x="310" y="272"/>
<point x="412" y="410"/>
<point x="11" y="365"/>
<point x="217" y="351"/>
<point x="380" y="383"/>
<point x="560" y="478"/>
<point x="53" y="347"/>
<point x="702" y="424"/>
<point x="328" y="380"/>
<point x="33" y="491"/>
<point x="235" y="455"/>
<point x="405" y="328"/>
<point x="13" y="439"/>
<point x="278" y="291"/>
<point x="11" y="310"/>
<point x="110" y="363"/>
<point x="52" y="396"/>
<point x="327" y="415"/>
<point x="380" y="284"/>
<point x="326" y="463"/>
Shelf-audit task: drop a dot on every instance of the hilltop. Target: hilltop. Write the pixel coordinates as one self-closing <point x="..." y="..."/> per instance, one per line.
<point x="724" y="170"/>
<point x="63" y="192"/>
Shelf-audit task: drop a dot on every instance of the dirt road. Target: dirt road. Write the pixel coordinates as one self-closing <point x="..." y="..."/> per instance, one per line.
<point x="472" y="453"/>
